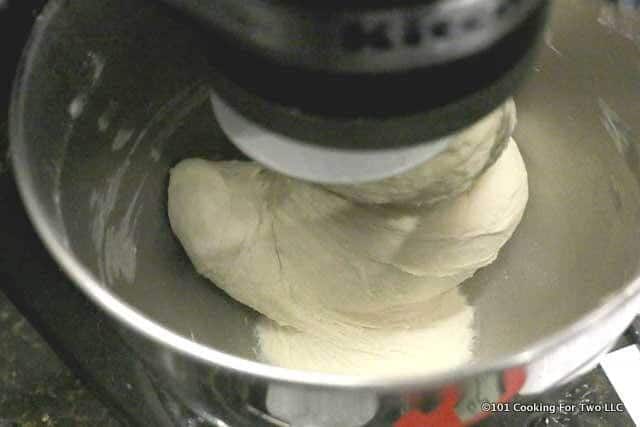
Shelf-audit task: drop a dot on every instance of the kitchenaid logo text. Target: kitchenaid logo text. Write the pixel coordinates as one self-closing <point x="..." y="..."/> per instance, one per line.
<point x="408" y="32"/>
<point x="358" y="36"/>
<point x="411" y="30"/>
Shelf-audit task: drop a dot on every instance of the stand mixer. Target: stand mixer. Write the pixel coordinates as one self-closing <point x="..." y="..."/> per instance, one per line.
<point x="355" y="91"/>
<point x="108" y="93"/>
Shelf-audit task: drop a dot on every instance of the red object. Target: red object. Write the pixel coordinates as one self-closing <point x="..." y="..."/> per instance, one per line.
<point x="444" y="415"/>
<point x="513" y="380"/>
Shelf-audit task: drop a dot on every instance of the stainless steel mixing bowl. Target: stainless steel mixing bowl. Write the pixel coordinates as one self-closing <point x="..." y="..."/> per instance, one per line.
<point x="112" y="93"/>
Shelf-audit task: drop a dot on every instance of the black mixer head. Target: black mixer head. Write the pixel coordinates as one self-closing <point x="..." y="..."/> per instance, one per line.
<point x="367" y="74"/>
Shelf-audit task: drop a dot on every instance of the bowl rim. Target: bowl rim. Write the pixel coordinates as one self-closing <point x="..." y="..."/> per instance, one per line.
<point x="130" y="317"/>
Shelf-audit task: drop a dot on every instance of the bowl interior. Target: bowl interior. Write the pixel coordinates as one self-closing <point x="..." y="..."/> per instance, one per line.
<point x="115" y="93"/>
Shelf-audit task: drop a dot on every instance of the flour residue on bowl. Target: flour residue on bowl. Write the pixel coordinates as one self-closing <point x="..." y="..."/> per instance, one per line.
<point x="116" y="206"/>
<point x="105" y="119"/>
<point x="115" y="241"/>
<point x="96" y="64"/>
<point x="77" y="105"/>
<point x="123" y="136"/>
<point x="621" y="18"/>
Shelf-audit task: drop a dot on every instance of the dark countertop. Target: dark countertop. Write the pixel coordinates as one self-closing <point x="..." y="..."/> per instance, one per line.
<point x="36" y="388"/>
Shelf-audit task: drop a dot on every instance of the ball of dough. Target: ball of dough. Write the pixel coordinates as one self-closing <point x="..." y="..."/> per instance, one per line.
<point x="321" y="263"/>
<point x="470" y="152"/>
